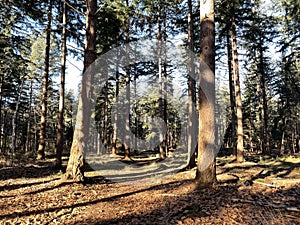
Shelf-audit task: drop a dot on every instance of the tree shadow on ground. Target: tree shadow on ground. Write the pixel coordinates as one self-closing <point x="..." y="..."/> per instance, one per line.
<point x="222" y="204"/>
<point x="36" y="170"/>
<point x="278" y="169"/>
<point x="87" y="203"/>
<point x="10" y="187"/>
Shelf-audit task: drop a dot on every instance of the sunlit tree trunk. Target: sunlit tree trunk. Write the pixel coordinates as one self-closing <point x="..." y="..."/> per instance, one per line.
<point x="75" y="168"/>
<point x="43" y="123"/>
<point x="238" y="98"/>
<point x="61" y="108"/>
<point x="206" y="167"/>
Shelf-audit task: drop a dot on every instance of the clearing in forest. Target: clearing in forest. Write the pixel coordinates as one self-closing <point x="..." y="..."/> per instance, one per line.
<point x="263" y="190"/>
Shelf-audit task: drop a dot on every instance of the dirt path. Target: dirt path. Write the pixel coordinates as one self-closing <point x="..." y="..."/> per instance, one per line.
<point x="255" y="192"/>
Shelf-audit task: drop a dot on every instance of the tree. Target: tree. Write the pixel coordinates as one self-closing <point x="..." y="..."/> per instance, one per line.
<point x="76" y="163"/>
<point x="42" y="142"/>
<point x="206" y="168"/>
<point x="60" y="126"/>
<point x="238" y="99"/>
<point x="192" y="126"/>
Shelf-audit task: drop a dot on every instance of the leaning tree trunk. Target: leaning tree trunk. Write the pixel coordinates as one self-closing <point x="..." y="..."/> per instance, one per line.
<point x="75" y="168"/>
<point x="206" y="168"/>
<point x="43" y="123"/>
<point x="60" y="126"/>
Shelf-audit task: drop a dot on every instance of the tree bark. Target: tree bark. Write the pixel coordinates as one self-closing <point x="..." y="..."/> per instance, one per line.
<point x="265" y="115"/>
<point x="206" y="169"/>
<point x="192" y="127"/>
<point x="75" y="168"/>
<point x="160" y="78"/>
<point x="127" y="100"/>
<point x="238" y="98"/>
<point x="61" y="108"/>
<point x="28" y="132"/>
<point x="114" y="138"/>
<point x="14" y="125"/>
<point x="43" y="123"/>
<point x="232" y="91"/>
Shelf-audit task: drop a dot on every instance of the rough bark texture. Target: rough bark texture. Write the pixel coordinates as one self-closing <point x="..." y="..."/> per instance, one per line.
<point x="238" y="99"/>
<point x="75" y="168"/>
<point x="60" y="126"/>
<point x="42" y="143"/>
<point x="206" y="170"/>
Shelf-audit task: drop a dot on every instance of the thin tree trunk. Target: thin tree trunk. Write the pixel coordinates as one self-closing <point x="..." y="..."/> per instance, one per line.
<point x="238" y="98"/>
<point x="165" y="83"/>
<point x="206" y="168"/>
<point x="60" y="126"/>
<point x="232" y="91"/>
<point x="75" y="168"/>
<point x="14" y="131"/>
<point x="160" y="101"/>
<point x="105" y="134"/>
<point x="127" y="101"/>
<point x="192" y="127"/>
<point x="1" y="125"/>
<point x="114" y="138"/>
<point x="297" y="138"/>
<point x="43" y="123"/>
<point x="28" y="133"/>
<point x="265" y="116"/>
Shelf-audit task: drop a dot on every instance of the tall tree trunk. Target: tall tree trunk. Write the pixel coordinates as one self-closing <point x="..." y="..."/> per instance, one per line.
<point x="192" y="127"/>
<point x="28" y="132"/>
<point x="160" y="78"/>
<point x="61" y="108"/>
<point x="127" y="101"/>
<point x="238" y="98"/>
<point x="75" y="168"/>
<point x="43" y="123"/>
<point x="14" y="125"/>
<point x="1" y="125"/>
<point x="265" y="115"/>
<point x="206" y="168"/>
<point x="105" y="132"/>
<point x="114" y="138"/>
<point x="165" y="83"/>
<point x="232" y="91"/>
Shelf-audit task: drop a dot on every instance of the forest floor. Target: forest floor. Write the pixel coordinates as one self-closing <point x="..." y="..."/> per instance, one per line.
<point x="262" y="190"/>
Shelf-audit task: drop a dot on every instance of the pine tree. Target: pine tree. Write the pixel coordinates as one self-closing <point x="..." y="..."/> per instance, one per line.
<point x="76" y="163"/>
<point x="206" y="167"/>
